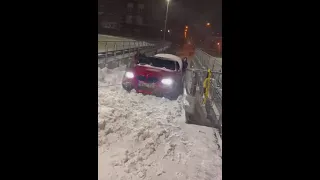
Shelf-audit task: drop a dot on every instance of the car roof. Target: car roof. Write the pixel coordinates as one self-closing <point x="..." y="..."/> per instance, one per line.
<point x="171" y="57"/>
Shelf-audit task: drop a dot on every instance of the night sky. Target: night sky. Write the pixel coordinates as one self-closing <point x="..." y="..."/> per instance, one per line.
<point x="191" y="12"/>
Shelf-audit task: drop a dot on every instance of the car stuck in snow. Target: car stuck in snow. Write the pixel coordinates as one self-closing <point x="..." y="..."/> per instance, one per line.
<point x="160" y="75"/>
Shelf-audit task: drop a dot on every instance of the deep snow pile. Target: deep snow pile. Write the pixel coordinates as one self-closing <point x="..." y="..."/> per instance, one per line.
<point x="110" y="76"/>
<point x="145" y="137"/>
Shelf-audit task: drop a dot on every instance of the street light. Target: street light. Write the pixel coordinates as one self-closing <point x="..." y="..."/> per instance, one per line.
<point x="219" y="48"/>
<point x="165" y="22"/>
<point x="208" y="24"/>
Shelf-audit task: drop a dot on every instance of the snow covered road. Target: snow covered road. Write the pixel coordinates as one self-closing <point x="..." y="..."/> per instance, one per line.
<point x="145" y="137"/>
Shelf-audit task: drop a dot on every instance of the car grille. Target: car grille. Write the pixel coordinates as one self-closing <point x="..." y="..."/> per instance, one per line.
<point x="148" y="79"/>
<point x="144" y="88"/>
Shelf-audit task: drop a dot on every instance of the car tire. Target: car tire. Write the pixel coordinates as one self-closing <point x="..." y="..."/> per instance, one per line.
<point x="172" y="97"/>
<point x="128" y="89"/>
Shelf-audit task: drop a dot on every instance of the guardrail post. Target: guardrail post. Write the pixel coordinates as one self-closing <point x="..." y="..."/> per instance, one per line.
<point x="114" y="53"/>
<point x="106" y="54"/>
<point x="123" y="49"/>
<point x="213" y="65"/>
<point x="194" y="84"/>
<point x="208" y="61"/>
<point x="200" y="59"/>
<point x="133" y="46"/>
<point x="115" y="49"/>
<point x="137" y="46"/>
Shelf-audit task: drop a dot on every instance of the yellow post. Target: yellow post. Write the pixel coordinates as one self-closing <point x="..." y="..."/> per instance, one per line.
<point x="206" y="86"/>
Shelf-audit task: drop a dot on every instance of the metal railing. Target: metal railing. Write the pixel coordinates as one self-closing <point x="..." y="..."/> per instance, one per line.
<point x="194" y="84"/>
<point x="207" y="61"/>
<point x="109" y="46"/>
<point x="116" y="52"/>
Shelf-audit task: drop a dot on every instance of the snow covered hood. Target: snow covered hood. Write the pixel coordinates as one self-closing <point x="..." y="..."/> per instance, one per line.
<point x="171" y="57"/>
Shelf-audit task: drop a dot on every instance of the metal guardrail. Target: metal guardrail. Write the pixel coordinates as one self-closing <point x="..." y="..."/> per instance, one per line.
<point x="108" y="46"/>
<point x="113" y="48"/>
<point x="208" y="61"/>
<point x="195" y="77"/>
<point x="116" y="51"/>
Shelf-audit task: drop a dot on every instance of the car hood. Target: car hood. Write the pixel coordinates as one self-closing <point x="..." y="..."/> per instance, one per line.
<point x="153" y="71"/>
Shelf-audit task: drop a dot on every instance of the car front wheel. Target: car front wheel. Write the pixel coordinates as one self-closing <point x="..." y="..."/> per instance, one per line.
<point x="127" y="88"/>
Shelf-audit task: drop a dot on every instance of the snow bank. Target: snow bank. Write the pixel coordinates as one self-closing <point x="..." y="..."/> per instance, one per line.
<point x="145" y="137"/>
<point x="108" y="77"/>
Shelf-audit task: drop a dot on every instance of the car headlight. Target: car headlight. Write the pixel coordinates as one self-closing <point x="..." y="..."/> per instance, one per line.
<point x="129" y="75"/>
<point x="167" y="81"/>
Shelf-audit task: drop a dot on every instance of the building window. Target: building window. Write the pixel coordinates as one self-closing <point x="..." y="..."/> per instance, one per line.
<point x="110" y="25"/>
<point x="140" y="8"/>
<point x="129" y="19"/>
<point x="130" y="7"/>
<point x="139" y="20"/>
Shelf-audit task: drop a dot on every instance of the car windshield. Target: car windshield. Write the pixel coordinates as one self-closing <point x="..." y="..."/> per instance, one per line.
<point x="157" y="62"/>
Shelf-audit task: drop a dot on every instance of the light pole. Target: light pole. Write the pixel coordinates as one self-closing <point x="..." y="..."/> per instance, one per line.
<point x="219" y="49"/>
<point x="165" y="22"/>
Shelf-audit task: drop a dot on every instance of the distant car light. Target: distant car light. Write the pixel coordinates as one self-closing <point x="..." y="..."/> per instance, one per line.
<point x="129" y="75"/>
<point x="167" y="81"/>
